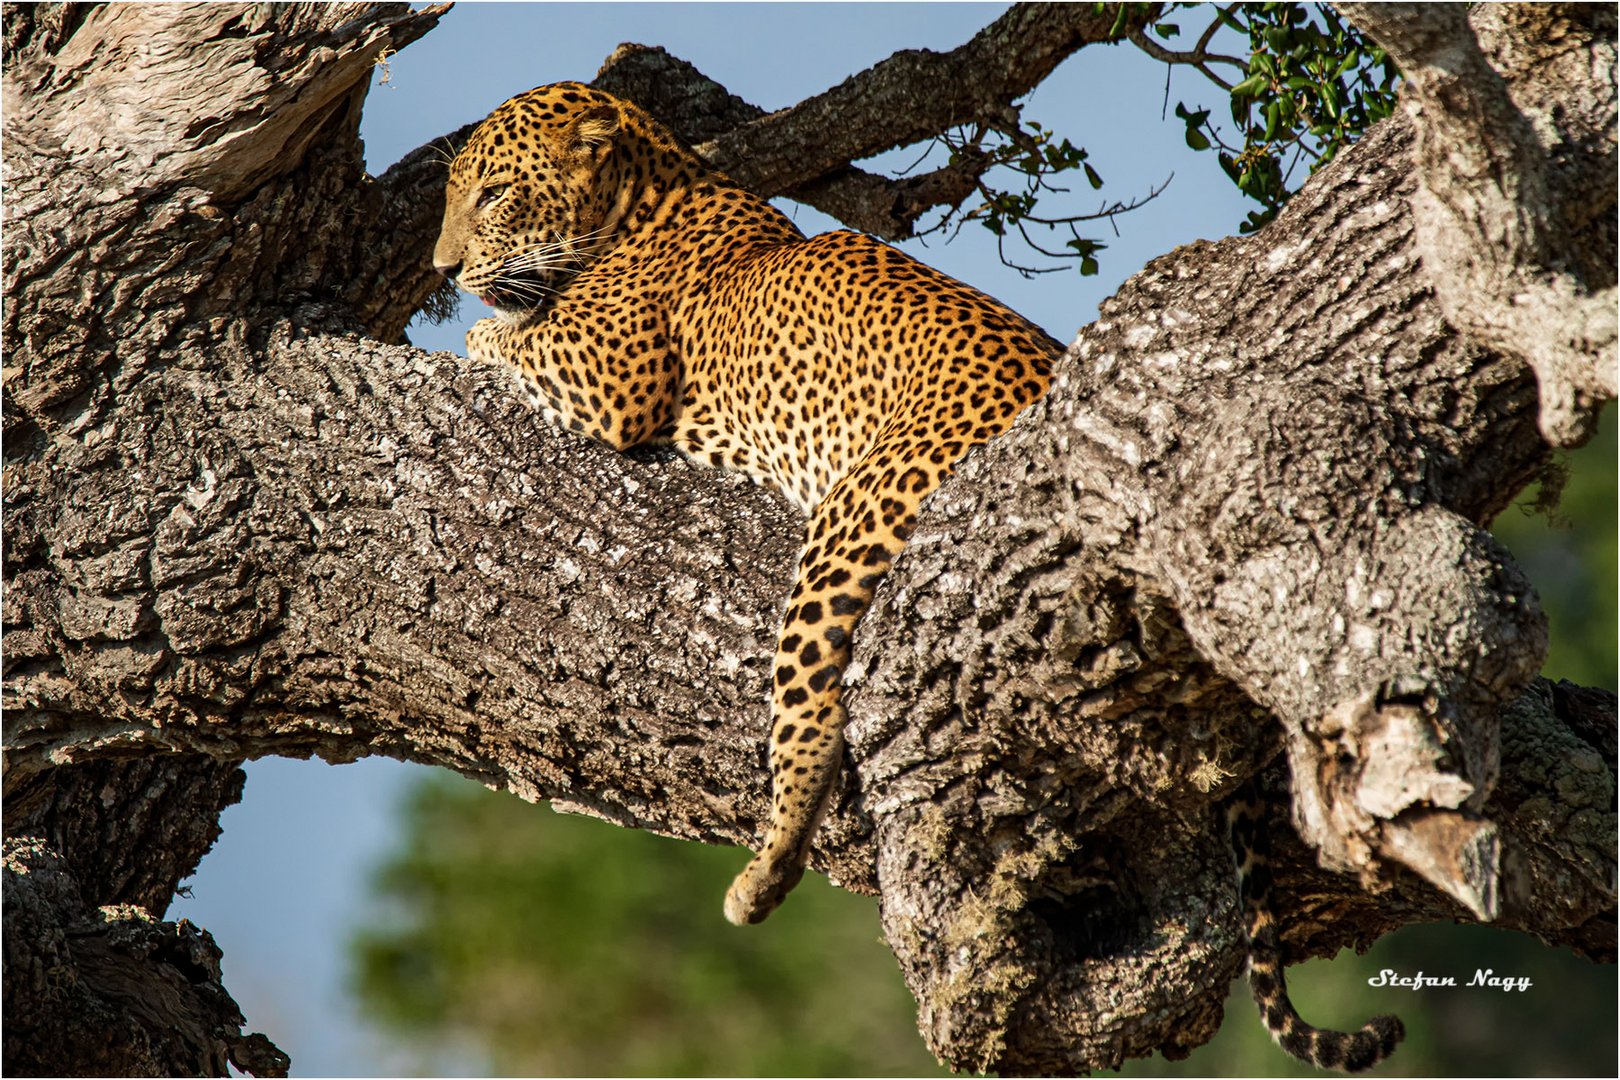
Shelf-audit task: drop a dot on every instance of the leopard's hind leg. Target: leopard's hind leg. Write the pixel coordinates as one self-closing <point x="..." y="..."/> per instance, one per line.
<point x="854" y="533"/>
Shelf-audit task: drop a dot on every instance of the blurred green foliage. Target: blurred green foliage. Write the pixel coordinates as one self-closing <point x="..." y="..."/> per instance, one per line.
<point x="554" y="945"/>
<point x="1569" y="553"/>
<point x="1564" y="1025"/>
<point x="560" y="945"/>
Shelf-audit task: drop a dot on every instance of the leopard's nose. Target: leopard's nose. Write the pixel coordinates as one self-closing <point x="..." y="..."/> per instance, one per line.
<point x="449" y="271"/>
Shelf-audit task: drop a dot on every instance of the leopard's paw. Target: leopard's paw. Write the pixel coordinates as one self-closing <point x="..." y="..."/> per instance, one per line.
<point x="483" y="342"/>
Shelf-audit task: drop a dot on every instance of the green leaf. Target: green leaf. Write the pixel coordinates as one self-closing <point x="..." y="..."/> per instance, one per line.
<point x="1247" y="88"/>
<point x="1330" y="98"/>
<point x="1119" y="21"/>
<point x="1196" y="139"/>
<point x="1257" y="220"/>
<point x="1095" y="180"/>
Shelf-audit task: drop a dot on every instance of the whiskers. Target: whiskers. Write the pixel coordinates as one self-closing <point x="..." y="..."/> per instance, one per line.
<point x="444" y="151"/>
<point x="564" y="253"/>
<point x="526" y="290"/>
<point x="532" y="274"/>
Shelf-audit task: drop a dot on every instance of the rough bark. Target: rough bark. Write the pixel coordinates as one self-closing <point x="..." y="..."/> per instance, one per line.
<point x="97" y="984"/>
<point x="1254" y="493"/>
<point x="1247" y="520"/>
<point x="1493" y="239"/>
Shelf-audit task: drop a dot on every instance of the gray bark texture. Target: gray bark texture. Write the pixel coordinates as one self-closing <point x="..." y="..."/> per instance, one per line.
<point x="1242" y="535"/>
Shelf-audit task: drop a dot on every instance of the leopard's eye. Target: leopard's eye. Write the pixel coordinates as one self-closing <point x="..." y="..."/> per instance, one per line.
<point x="491" y="193"/>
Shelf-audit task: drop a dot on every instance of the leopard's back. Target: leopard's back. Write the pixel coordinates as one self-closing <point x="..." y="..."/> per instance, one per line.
<point x="799" y="357"/>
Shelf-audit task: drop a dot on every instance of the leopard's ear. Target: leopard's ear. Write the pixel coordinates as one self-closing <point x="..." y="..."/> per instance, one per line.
<point x="595" y="127"/>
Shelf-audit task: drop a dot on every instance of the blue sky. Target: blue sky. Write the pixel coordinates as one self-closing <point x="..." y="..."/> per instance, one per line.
<point x="287" y="880"/>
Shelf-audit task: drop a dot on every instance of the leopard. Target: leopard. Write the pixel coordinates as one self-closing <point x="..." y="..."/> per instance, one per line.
<point x="643" y="297"/>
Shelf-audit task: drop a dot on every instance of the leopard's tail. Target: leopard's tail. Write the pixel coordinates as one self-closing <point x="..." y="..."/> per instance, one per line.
<point x="1347" y="1051"/>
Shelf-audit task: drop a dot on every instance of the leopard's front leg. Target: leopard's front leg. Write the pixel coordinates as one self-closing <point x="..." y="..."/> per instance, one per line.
<point x="484" y="342"/>
<point x="620" y="395"/>
<point x="854" y="534"/>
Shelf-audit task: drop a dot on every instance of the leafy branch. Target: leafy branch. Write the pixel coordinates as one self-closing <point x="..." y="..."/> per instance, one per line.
<point x="1312" y="86"/>
<point x="1033" y="156"/>
<point x="1301" y="85"/>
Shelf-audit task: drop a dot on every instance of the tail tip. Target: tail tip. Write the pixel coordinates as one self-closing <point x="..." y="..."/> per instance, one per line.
<point x="1375" y="1041"/>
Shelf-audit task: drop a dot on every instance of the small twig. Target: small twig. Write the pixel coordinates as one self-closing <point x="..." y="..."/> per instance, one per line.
<point x="1212" y="77"/>
<point x="1197" y="57"/>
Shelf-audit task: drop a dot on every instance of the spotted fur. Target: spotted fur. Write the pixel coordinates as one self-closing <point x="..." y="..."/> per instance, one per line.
<point x="1347" y="1051"/>
<point x="644" y="297"/>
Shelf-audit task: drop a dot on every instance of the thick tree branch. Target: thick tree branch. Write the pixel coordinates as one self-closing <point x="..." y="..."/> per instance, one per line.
<point x="97" y="985"/>
<point x="701" y="110"/>
<point x="911" y="96"/>
<point x="1487" y="228"/>
<point x="272" y="80"/>
<point x="1182" y="513"/>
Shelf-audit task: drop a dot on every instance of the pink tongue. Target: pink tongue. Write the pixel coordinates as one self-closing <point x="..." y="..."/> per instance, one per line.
<point x="487" y="301"/>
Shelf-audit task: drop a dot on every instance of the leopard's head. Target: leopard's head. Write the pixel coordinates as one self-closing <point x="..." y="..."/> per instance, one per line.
<point x="528" y="200"/>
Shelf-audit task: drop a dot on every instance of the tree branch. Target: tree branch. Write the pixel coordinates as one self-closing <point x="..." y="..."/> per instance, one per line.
<point x="1487" y="228"/>
<point x="1183" y="511"/>
<point x="911" y="96"/>
<point x="1198" y="57"/>
<point x="700" y="110"/>
<point x="107" y="988"/>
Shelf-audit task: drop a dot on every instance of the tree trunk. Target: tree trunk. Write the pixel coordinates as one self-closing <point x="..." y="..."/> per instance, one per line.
<point x="243" y="519"/>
